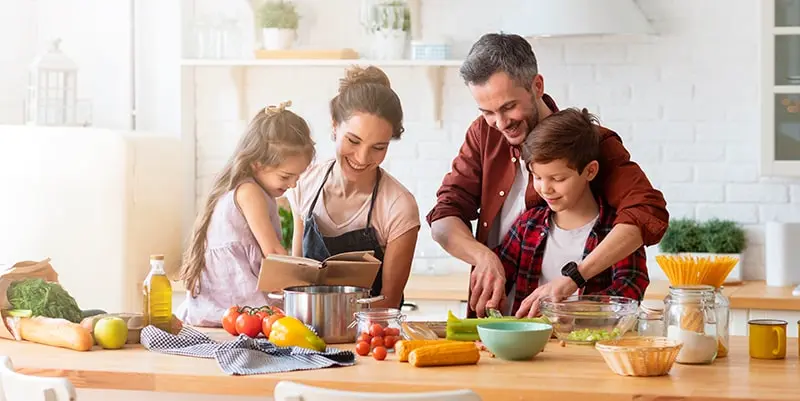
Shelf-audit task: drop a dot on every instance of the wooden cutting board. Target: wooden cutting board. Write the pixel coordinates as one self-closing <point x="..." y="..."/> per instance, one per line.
<point x="343" y="54"/>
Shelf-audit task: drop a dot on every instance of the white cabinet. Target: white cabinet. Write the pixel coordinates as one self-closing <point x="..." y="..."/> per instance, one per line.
<point x="780" y="86"/>
<point x="790" y="316"/>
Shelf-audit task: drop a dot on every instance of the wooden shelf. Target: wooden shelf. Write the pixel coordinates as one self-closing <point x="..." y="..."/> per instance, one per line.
<point x="316" y="63"/>
<point x="238" y="69"/>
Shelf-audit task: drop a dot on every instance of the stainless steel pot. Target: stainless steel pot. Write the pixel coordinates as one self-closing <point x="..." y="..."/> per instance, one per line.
<point x="329" y="309"/>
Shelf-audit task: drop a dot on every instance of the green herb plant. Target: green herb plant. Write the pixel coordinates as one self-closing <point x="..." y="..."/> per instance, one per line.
<point x="280" y="14"/>
<point x="43" y="298"/>
<point x="387" y="15"/>
<point x="712" y="236"/>
<point x="287" y="228"/>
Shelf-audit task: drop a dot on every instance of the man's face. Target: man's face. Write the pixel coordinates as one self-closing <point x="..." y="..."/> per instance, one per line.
<point x="509" y="107"/>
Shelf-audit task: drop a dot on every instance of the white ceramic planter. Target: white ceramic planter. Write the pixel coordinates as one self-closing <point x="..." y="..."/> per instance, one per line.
<point x="389" y="44"/>
<point x="278" y="38"/>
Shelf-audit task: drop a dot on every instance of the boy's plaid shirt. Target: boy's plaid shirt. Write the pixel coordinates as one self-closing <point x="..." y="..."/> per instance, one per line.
<point x="522" y="252"/>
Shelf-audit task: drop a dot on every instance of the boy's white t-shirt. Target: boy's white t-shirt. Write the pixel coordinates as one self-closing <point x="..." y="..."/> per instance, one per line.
<point x="563" y="246"/>
<point x="396" y="211"/>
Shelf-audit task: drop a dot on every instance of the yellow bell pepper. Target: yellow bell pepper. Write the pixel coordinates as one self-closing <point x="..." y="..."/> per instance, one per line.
<point x="291" y="332"/>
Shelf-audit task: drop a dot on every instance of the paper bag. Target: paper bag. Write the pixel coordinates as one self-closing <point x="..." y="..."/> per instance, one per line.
<point x="357" y="269"/>
<point x="19" y="271"/>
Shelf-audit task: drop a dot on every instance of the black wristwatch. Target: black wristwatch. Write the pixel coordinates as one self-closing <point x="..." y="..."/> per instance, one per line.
<point x="571" y="270"/>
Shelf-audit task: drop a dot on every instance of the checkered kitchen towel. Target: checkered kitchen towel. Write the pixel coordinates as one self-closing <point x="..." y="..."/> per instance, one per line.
<point x="243" y="355"/>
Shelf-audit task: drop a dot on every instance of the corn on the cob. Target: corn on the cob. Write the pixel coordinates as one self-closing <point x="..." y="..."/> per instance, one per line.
<point x="451" y="353"/>
<point x="404" y="347"/>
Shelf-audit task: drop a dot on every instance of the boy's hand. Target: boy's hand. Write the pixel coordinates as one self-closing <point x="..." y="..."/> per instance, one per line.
<point x="557" y="289"/>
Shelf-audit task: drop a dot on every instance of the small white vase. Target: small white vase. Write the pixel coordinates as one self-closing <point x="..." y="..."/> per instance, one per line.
<point x="278" y="38"/>
<point x="389" y="44"/>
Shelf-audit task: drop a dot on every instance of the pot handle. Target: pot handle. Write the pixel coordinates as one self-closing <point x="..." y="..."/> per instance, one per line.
<point x="275" y="295"/>
<point x="370" y="300"/>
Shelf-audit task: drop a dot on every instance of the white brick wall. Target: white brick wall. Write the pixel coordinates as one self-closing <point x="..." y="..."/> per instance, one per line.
<point x="686" y="104"/>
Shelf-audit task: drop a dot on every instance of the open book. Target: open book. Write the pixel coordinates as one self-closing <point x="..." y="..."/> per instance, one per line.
<point x="357" y="268"/>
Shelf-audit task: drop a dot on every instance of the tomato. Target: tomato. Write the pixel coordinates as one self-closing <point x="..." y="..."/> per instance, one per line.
<point x="266" y="323"/>
<point x="377" y="342"/>
<point x="263" y="312"/>
<point x="389" y="341"/>
<point x="362" y="348"/>
<point x="278" y="310"/>
<point x="229" y="319"/>
<point x="379" y="353"/>
<point x="376" y="330"/>
<point x="391" y="331"/>
<point x="248" y="324"/>
<point x="365" y="337"/>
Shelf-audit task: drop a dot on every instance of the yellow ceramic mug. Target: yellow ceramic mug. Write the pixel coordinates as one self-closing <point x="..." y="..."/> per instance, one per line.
<point x="768" y="338"/>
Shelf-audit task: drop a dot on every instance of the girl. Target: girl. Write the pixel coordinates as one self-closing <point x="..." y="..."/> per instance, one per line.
<point x="240" y="223"/>
<point x="349" y="203"/>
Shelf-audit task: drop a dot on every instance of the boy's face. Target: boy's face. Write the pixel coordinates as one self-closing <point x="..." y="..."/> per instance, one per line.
<point x="560" y="185"/>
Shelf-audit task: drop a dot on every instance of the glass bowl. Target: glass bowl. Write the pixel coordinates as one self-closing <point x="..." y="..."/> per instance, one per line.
<point x="586" y="319"/>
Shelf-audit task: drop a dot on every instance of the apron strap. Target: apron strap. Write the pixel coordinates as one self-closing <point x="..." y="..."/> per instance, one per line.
<point x="374" y="196"/>
<point x="319" y="191"/>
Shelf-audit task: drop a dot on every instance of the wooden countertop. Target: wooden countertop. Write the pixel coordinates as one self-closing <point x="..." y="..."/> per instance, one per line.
<point x="563" y="373"/>
<point x="748" y="295"/>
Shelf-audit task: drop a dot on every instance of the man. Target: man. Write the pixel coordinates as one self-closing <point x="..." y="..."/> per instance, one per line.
<point x="547" y="241"/>
<point x="490" y="183"/>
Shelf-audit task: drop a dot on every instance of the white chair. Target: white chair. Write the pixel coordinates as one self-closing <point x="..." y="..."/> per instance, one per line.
<point x="18" y="387"/>
<point x="290" y="391"/>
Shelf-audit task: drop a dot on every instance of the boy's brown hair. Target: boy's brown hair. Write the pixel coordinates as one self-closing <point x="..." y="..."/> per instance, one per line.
<point x="569" y="134"/>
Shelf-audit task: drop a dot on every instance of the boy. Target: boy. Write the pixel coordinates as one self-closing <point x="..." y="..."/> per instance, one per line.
<point x="546" y="242"/>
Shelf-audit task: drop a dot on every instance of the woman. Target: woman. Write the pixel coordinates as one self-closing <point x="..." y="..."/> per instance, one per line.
<point x="349" y="203"/>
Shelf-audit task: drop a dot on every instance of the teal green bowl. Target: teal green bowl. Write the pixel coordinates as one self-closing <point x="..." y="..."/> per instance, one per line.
<point x="515" y="341"/>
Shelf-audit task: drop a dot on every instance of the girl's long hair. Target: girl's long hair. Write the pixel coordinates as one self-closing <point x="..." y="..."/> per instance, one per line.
<point x="273" y="135"/>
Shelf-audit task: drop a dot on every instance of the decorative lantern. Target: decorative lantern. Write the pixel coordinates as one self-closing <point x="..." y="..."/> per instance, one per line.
<point x="52" y="89"/>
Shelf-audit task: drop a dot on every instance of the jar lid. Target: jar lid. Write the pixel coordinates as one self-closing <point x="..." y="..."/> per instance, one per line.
<point x="651" y="309"/>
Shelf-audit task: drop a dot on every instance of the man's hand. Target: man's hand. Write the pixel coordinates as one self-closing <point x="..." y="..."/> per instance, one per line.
<point x="557" y="289"/>
<point x="488" y="284"/>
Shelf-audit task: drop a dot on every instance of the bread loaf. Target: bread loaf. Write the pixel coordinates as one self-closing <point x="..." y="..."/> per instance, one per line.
<point x="56" y="332"/>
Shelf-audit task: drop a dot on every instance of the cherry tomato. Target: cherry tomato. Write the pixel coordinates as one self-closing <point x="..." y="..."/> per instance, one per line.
<point x="379" y="353"/>
<point x="229" y="319"/>
<point x="263" y="312"/>
<point x="365" y="337"/>
<point x="389" y="341"/>
<point x="377" y="342"/>
<point x="248" y="324"/>
<point x="391" y="331"/>
<point x="276" y="309"/>
<point x="362" y="348"/>
<point x="376" y="330"/>
<point x="266" y="323"/>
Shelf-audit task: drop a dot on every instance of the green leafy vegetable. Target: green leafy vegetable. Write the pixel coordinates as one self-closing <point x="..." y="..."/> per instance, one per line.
<point x="43" y="299"/>
<point x="592" y="335"/>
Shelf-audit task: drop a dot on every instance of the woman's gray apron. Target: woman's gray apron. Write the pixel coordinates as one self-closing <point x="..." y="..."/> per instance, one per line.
<point x="318" y="247"/>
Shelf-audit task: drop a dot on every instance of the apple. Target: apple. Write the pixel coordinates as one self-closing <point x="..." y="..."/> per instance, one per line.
<point x="111" y="332"/>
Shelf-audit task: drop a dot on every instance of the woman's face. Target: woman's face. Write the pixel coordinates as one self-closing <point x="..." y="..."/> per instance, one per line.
<point x="361" y="144"/>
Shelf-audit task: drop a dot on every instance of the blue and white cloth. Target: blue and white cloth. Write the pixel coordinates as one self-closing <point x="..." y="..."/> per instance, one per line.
<point x="243" y="355"/>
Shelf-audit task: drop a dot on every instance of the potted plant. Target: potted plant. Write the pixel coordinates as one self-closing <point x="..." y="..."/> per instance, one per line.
<point x="389" y="29"/>
<point x="278" y="20"/>
<point x="711" y="238"/>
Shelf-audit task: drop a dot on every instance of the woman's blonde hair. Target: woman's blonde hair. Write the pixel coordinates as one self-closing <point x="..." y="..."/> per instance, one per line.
<point x="273" y="135"/>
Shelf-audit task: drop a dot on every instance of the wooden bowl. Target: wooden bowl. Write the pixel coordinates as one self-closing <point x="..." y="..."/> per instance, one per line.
<point x="639" y="356"/>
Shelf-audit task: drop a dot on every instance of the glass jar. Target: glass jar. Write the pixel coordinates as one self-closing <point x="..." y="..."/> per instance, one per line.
<point x="690" y="317"/>
<point x="723" y="308"/>
<point x="651" y="319"/>
<point x="385" y="323"/>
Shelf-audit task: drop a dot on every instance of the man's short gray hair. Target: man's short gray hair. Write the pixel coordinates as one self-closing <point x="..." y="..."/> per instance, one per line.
<point x="496" y="52"/>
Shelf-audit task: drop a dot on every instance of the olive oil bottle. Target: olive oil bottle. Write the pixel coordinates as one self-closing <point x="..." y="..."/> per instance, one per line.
<point x="157" y="292"/>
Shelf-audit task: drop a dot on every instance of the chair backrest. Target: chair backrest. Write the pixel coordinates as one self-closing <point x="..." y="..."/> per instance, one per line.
<point x="290" y="391"/>
<point x="18" y="387"/>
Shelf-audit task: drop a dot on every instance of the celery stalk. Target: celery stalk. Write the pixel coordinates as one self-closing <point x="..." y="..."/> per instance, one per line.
<point x="467" y="329"/>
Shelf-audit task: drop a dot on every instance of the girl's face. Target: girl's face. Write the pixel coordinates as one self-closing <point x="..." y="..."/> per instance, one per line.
<point x="277" y="179"/>
<point x="361" y="144"/>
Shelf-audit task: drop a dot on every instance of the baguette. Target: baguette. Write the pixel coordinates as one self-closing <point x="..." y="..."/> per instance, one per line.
<point x="56" y="332"/>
